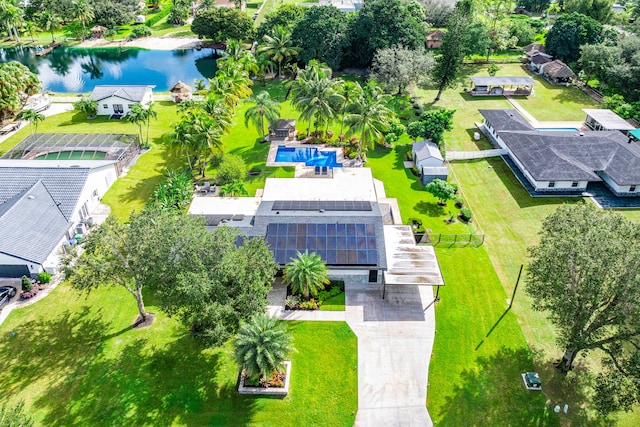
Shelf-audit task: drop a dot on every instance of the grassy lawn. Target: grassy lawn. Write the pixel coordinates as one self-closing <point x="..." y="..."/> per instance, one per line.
<point x="81" y="351"/>
<point x="335" y="303"/>
<point x="479" y="350"/>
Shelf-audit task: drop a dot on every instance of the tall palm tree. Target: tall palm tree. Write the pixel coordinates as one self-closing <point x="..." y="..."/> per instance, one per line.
<point x="350" y="92"/>
<point x="233" y="85"/>
<point x="13" y="17"/>
<point x="137" y="115"/>
<point x="318" y="101"/>
<point x="368" y="116"/>
<point x="233" y="189"/>
<point x="215" y="106"/>
<point x="33" y="117"/>
<point x="198" y="136"/>
<point x="264" y="107"/>
<point x="306" y="274"/>
<point x="261" y="345"/>
<point x="83" y="12"/>
<point x="278" y="46"/>
<point x="265" y="67"/>
<point x="49" y="22"/>
<point x="150" y="114"/>
<point x="30" y="27"/>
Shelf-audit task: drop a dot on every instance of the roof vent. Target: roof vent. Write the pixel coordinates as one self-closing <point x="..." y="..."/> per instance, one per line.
<point x="321" y="211"/>
<point x="31" y="197"/>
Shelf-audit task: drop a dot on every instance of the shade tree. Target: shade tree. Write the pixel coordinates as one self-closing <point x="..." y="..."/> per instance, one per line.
<point x="17" y="82"/>
<point x="223" y="23"/>
<point x="286" y="16"/>
<point x="584" y="275"/>
<point x="569" y="33"/>
<point x="397" y="67"/>
<point x="441" y="190"/>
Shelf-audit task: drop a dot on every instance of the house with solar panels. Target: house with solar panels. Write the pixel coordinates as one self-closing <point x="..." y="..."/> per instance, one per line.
<point x="50" y="188"/>
<point x="347" y="219"/>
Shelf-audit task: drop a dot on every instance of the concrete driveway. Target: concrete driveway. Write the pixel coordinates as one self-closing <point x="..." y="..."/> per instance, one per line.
<point x="395" y="339"/>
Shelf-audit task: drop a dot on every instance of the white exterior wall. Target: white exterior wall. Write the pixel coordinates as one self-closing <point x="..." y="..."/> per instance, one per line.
<point x="559" y="185"/>
<point x="429" y="162"/>
<point x="619" y="189"/>
<point x="99" y="181"/>
<point x="112" y="100"/>
<point x="34" y="267"/>
<point x="358" y="276"/>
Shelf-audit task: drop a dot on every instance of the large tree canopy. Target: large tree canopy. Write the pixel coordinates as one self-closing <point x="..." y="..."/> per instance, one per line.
<point x="397" y="67"/>
<point x="624" y="74"/>
<point x="381" y="24"/>
<point x="585" y="273"/>
<point x="16" y="82"/>
<point x="286" y="16"/>
<point x="321" y="35"/>
<point x="569" y="33"/>
<point x="600" y="10"/>
<point x="223" y="23"/>
<point x="220" y="285"/>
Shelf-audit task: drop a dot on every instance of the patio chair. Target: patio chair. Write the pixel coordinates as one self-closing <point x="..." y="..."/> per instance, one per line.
<point x="206" y="186"/>
<point x="316" y="170"/>
<point x="325" y="170"/>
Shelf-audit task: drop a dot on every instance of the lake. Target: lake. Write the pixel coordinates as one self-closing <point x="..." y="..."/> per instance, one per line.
<point x="75" y="70"/>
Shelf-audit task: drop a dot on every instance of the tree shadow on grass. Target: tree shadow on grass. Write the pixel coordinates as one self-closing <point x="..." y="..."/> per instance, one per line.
<point x="149" y="385"/>
<point x="430" y="209"/>
<point x="493" y="394"/>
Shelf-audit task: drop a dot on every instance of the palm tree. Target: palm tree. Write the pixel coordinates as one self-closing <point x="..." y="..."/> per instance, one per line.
<point x="263" y="107"/>
<point x="233" y="189"/>
<point x="261" y="345"/>
<point x="306" y="274"/>
<point x="265" y="67"/>
<point x="150" y="114"/>
<point x="278" y="46"/>
<point x="318" y="100"/>
<point x="82" y="11"/>
<point x="232" y="85"/>
<point x="137" y="115"/>
<point x="369" y="117"/>
<point x="350" y="92"/>
<point x="198" y="136"/>
<point x="12" y="17"/>
<point x="33" y="117"/>
<point x="30" y="28"/>
<point x="215" y="106"/>
<point x="49" y="22"/>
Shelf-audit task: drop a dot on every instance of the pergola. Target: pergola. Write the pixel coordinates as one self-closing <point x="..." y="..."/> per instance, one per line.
<point x="408" y="263"/>
<point x="501" y="85"/>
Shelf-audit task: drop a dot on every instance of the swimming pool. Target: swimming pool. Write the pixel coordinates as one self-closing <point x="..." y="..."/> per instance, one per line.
<point x="558" y="129"/>
<point x="311" y="156"/>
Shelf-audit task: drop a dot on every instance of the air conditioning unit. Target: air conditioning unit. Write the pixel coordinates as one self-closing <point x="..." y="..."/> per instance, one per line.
<point x="89" y="221"/>
<point x="81" y="228"/>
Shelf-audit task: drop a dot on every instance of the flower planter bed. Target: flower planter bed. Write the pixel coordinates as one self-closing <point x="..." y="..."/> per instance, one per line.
<point x="268" y="391"/>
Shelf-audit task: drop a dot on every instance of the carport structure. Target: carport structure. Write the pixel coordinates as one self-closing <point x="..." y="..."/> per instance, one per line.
<point x="407" y="263"/>
<point x="502" y="85"/>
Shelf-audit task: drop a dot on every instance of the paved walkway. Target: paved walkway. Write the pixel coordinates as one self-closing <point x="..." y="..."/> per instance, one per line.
<point x="522" y="111"/>
<point x="395" y="339"/>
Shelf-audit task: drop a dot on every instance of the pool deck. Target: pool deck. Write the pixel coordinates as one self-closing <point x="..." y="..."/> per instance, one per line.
<point x="273" y="150"/>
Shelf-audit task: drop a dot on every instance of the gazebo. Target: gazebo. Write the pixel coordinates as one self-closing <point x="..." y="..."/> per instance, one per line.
<point x="97" y="31"/>
<point x="503" y="85"/>
<point x="180" y="91"/>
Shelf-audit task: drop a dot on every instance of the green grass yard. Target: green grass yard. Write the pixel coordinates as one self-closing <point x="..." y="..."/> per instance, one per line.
<point x="335" y="303"/>
<point x="75" y="361"/>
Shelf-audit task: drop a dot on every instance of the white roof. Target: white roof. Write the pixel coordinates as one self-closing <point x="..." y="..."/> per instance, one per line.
<point x="346" y="184"/>
<point x="608" y="119"/>
<point x="427" y="149"/>
<point x="204" y="205"/>
<point x="408" y="263"/>
<point x="128" y="92"/>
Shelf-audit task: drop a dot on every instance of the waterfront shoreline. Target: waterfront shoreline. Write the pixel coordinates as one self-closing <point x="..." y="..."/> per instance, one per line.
<point x="151" y="43"/>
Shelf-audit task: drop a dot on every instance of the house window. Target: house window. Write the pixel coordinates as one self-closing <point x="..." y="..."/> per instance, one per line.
<point x="574" y="184"/>
<point x="552" y="184"/>
<point x="129" y="106"/>
<point x="632" y="189"/>
<point x="118" y="109"/>
<point x="105" y="106"/>
<point x="373" y="276"/>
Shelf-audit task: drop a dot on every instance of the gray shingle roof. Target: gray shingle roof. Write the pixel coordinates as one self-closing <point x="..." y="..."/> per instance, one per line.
<point x="131" y="93"/>
<point x="559" y="70"/>
<point x="534" y="47"/>
<point x="567" y="156"/>
<point x="31" y="225"/>
<point x="64" y="184"/>
<point x="508" y="119"/>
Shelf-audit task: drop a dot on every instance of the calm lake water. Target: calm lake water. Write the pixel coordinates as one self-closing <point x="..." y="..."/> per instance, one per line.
<point x="75" y="70"/>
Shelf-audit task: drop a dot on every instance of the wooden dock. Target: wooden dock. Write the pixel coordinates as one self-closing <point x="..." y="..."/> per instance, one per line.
<point x="48" y="49"/>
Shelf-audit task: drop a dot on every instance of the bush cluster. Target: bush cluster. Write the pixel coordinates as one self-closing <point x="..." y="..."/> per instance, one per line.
<point x="140" y="31"/>
<point x="29" y="294"/>
<point x="27" y="285"/>
<point x="465" y="214"/>
<point x="44" y="277"/>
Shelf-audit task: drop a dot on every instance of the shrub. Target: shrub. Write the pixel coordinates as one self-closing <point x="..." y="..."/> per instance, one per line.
<point x="141" y="31"/>
<point x="353" y="155"/>
<point x="231" y="169"/>
<point x="415" y="171"/>
<point x="44" y="277"/>
<point x="312" y="304"/>
<point x="292" y="302"/>
<point x="416" y="225"/>
<point x="86" y="105"/>
<point x="27" y="285"/>
<point x="325" y="295"/>
<point x="459" y="202"/>
<point x="164" y="12"/>
<point x="410" y="156"/>
<point x="29" y="294"/>
<point x="465" y="214"/>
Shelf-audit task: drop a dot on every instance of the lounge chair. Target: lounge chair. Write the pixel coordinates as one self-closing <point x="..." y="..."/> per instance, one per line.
<point x="316" y="170"/>
<point x="325" y="170"/>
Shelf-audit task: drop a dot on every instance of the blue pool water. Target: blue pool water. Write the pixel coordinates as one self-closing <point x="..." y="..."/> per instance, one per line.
<point x="558" y="129"/>
<point x="311" y="156"/>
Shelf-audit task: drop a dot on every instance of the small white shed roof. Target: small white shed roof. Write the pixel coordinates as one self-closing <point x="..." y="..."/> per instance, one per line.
<point x="608" y="119"/>
<point x="426" y="149"/>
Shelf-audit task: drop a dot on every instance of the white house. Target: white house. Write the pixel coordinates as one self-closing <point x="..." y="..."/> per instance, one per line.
<point x="116" y="101"/>
<point x="429" y="161"/>
<point x="45" y="202"/>
<point x="566" y="161"/>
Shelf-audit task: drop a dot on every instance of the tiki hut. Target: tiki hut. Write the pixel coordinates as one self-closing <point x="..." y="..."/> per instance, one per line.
<point x="180" y="92"/>
<point x="97" y="32"/>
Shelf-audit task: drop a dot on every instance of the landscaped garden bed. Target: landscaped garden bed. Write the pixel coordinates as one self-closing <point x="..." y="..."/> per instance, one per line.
<point x="277" y="385"/>
<point x="332" y="297"/>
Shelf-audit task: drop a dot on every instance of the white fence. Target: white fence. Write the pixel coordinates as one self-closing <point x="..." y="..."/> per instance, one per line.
<point x="468" y="155"/>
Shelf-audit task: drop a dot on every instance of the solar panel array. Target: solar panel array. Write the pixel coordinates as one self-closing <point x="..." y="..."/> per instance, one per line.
<point x="316" y="205"/>
<point x="337" y="244"/>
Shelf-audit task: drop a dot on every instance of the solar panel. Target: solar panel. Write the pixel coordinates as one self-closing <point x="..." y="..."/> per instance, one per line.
<point x="316" y="205"/>
<point x="337" y="244"/>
